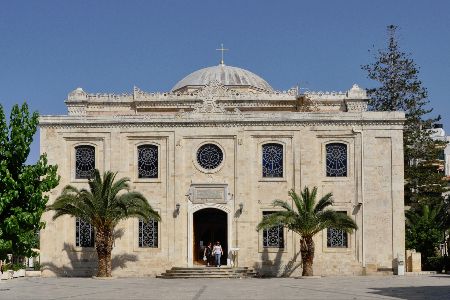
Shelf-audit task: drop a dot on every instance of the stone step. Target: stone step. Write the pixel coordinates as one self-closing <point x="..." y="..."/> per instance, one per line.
<point x="169" y="272"/>
<point x="196" y="277"/>
<point x="165" y="275"/>
<point x="208" y="268"/>
<point x="208" y="272"/>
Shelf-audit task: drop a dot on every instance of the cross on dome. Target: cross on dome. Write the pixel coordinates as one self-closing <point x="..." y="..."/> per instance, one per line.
<point x="222" y="63"/>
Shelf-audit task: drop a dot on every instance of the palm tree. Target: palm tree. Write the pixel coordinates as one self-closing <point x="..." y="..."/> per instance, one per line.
<point x="425" y="230"/>
<point x="307" y="219"/>
<point x="104" y="205"/>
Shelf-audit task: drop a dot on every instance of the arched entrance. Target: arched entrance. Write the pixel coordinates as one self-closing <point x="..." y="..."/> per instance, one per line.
<point x="210" y="225"/>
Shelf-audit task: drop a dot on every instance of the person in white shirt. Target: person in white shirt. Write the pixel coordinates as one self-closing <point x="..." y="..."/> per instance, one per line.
<point x="218" y="252"/>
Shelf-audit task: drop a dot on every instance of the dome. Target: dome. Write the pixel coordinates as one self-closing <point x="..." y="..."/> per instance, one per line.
<point x="226" y="75"/>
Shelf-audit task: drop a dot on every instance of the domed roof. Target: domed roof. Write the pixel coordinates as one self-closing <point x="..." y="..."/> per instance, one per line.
<point x="226" y="75"/>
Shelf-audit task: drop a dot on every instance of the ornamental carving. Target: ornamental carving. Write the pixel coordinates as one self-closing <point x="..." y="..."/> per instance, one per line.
<point x="209" y="93"/>
<point x="356" y="105"/>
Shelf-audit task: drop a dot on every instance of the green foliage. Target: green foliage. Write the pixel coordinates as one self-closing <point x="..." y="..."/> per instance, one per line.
<point x="400" y="89"/>
<point x="104" y="205"/>
<point x="437" y="263"/>
<point x="37" y="266"/>
<point x="23" y="187"/>
<point x="307" y="218"/>
<point x="423" y="230"/>
<point x="17" y="267"/>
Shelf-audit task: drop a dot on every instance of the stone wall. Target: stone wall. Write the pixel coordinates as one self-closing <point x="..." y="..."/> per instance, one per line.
<point x="372" y="193"/>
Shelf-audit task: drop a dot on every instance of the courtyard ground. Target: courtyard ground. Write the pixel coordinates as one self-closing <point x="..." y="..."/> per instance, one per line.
<point x="362" y="287"/>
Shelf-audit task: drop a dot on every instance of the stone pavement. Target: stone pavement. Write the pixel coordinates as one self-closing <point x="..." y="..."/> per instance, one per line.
<point x="362" y="287"/>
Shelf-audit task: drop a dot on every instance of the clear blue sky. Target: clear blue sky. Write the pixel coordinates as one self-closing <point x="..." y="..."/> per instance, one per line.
<point x="48" y="48"/>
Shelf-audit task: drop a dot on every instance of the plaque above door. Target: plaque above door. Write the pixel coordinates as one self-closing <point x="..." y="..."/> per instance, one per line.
<point x="208" y="193"/>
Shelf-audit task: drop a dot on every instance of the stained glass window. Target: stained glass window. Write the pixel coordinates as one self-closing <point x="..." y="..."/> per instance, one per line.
<point x="148" y="234"/>
<point x="84" y="161"/>
<point x="148" y="161"/>
<point x="209" y="156"/>
<point x="272" y="160"/>
<point x="273" y="237"/>
<point x="84" y="233"/>
<point x="336" y="160"/>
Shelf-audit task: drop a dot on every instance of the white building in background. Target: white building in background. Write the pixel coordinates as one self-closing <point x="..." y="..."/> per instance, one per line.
<point x="211" y="155"/>
<point x="439" y="134"/>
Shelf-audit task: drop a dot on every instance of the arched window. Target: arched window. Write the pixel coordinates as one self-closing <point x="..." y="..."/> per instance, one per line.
<point x="84" y="161"/>
<point x="147" y="161"/>
<point x="336" y="160"/>
<point x="272" y="160"/>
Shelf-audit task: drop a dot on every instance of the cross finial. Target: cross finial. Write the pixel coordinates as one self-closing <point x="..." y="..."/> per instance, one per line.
<point x="222" y="49"/>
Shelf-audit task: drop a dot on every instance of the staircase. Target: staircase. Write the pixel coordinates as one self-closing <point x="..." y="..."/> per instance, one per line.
<point x="374" y="270"/>
<point x="208" y="272"/>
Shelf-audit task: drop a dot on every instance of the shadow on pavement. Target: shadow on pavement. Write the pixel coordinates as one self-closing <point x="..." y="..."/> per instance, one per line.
<point x="421" y="292"/>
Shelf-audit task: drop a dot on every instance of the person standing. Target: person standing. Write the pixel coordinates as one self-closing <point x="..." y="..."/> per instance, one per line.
<point x="207" y="254"/>
<point x="218" y="252"/>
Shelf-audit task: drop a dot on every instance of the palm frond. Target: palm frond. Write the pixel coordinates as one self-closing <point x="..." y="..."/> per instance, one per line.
<point x="309" y="197"/>
<point x="324" y="202"/>
<point x="134" y="204"/>
<point x="282" y="204"/>
<point x="283" y="218"/>
<point x="332" y="219"/>
<point x="299" y="204"/>
<point x="310" y="218"/>
<point x="103" y="205"/>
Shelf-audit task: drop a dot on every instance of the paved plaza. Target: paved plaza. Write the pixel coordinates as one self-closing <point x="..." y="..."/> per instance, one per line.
<point x="363" y="287"/>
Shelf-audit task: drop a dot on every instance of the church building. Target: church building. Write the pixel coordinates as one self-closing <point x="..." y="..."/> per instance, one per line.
<point x="211" y="155"/>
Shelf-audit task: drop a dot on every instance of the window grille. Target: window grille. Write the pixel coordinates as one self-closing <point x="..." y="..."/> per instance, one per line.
<point x="273" y="237"/>
<point x="272" y="160"/>
<point x="148" y="161"/>
<point x="148" y="234"/>
<point x="209" y="156"/>
<point x="84" y="162"/>
<point x="84" y="233"/>
<point x="336" y="160"/>
<point x="337" y="238"/>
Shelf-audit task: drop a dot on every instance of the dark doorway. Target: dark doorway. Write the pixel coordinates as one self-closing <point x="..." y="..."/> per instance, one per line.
<point x="210" y="225"/>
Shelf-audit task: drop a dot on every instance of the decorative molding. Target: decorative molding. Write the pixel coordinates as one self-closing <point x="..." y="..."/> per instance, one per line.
<point x="197" y="207"/>
<point x="222" y="123"/>
<point x="356" y="105"/>
<point x="357" y="93"/>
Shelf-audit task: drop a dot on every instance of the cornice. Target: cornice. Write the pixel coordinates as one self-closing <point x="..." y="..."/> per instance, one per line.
<point x="232" y="119"/>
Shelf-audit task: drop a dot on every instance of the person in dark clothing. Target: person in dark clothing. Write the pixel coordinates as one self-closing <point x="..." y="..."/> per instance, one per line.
<point x="208" y="254"/>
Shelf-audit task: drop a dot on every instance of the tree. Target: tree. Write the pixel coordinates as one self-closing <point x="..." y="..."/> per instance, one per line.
<point x="307" y="219"/>
<point x="104" y="205"/>
<point x="401" y="90"/>
<point x="423" y="230"/>
<point x="23" y="187"/>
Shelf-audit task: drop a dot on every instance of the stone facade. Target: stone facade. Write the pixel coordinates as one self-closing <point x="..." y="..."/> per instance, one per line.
<point x="239" y="120"/>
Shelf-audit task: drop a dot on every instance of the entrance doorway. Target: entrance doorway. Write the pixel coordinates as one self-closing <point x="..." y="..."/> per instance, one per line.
<point x="210" y="225"/>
